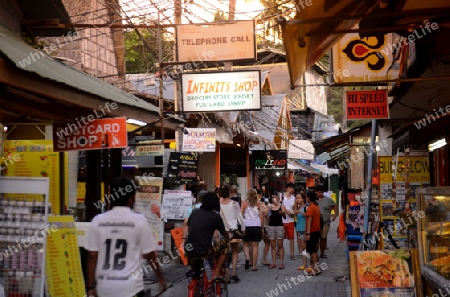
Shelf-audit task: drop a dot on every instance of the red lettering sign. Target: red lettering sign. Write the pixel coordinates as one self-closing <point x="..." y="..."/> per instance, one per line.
<point x="90" y="134"/>
<point x="366" y="105"/>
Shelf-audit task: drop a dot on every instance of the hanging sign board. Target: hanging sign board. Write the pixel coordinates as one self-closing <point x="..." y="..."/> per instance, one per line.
<point x="182" y="168"/>
<point x="269" y="160"/>
<point x="199" y="140"/>
<point x="366" y="105"/>
<point x="90" y="134"/>
<point x="216" y="42"/>
<point x="221" y="91"/>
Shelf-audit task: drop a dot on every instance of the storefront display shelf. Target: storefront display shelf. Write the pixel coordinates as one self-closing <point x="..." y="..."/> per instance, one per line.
<point x="22" y="270"/>
<point x="434" y="234"/>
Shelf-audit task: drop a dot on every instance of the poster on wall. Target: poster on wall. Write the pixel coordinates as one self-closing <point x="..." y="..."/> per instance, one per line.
<point x="36" y="158"/>
<point x="148" y="203"/>
<point x="63" y="263"/>
<point x="419" y="174"/>
<point x="385" y="273"/>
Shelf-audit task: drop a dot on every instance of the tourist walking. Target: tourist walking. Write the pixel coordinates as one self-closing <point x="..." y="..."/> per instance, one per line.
<point x="254" y="227"/>
<point x="288" y="218"/>
<point x="312" y="234"/>
<point x="234" y="223"/>
<point x="275" y="232"/>
<point x="300" y="226"/>
<point x="326" y="204"/>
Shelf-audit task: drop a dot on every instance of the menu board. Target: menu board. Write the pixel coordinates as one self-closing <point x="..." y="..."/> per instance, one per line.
<point x="35" y="158"/>
<point x="64" y="276"/>
<point x="385" y="273"/>
<point x="175" y="204"/>
<point x="148" y="202"/>
<point x="183" y="168"/>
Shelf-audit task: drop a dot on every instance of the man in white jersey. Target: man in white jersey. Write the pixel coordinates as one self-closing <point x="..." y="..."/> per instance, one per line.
<point x="288" y="216"/>
<point x="116" y="242"/>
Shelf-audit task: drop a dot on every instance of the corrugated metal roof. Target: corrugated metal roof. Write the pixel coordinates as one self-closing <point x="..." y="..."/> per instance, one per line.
<point x="35" y="61"/>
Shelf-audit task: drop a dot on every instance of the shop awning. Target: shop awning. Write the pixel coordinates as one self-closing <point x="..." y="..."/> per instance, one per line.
<point x="308" y="170"/>
<point x="50" y="91"/>
<point x="326" y="171"/>
<point x="316" y="27"/>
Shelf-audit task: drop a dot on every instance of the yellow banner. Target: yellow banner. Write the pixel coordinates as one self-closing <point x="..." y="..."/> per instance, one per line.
<point x="35" y="158"/>
<point x="419" y="169"/>
<point x="64" y="276"/>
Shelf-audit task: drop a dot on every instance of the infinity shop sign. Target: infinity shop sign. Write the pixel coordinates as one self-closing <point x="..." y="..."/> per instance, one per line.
<point x="221" y="91"/>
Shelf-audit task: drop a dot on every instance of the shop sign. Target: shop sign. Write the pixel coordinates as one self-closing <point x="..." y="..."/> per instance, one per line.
<point x="199" y="140"/>
<point x="367" y="59"/>
<point x="216" y="42"/>
<point x="419" y="169"/>
<point x="221" y="91"/>
<point x="269" y="160"/>
<point x="149" y="150"/>
<point x="95" y="134"/>
<point x="182" y="168"/>
<point x="366" y="105"/>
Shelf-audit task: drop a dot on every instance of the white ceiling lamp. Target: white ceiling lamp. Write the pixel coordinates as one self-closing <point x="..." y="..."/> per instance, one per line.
<point x="435" y="145"/>
<point x="136" y="122"/>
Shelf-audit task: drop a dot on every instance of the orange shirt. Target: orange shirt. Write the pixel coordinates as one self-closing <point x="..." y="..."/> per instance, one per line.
<point x="313" y="212"/>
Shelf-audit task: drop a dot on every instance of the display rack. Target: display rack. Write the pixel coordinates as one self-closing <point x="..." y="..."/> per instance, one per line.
<point x="22" y="272"/>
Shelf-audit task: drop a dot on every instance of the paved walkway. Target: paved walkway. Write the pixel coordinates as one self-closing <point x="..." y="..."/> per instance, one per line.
<point x="274" y="282"/>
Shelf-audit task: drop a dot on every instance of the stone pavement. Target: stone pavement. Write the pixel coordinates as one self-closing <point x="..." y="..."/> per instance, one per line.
<point x="274" y="282"/>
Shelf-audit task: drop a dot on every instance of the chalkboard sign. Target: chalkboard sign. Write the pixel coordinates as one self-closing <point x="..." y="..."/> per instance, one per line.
<point x="182" y="168"/>
<point x="174" y="206"/>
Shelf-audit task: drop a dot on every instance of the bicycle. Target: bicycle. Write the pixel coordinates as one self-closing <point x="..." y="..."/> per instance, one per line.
<point x="200" y="285"/>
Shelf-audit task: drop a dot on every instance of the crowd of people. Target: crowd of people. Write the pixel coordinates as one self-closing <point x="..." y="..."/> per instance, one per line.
<point x="215" y="226"/>
<point x="290" y="215"/>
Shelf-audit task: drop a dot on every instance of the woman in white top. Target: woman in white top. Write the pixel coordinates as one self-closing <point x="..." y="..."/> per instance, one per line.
<point x="254" y="227"/>
<point x="231" y="214"/>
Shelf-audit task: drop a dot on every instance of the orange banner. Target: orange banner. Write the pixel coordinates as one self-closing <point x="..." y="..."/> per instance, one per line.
<point x="366" y="105"/>
<point x="90" y="134"/>
<point x="177" y="235"/>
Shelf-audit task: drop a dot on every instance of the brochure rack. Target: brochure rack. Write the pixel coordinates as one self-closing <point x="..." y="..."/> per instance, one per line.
<point x="24" y="209"/>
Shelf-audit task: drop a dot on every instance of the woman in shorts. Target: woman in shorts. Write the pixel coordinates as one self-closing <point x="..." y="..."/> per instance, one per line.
<point x="300" y="212"/>
<point x="275" y="231"/>
<point x="254" y="226"/>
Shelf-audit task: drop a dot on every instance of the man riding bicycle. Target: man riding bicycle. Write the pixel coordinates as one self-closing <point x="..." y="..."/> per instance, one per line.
<point x="202" y="225"/>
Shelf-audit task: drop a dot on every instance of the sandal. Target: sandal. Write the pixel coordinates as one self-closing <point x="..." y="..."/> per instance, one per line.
<point x="265" y="264"/>
<point x="254" y="269"/>
<point x="324" y="256"/>
<point x="271" y="266"/>
<point x="301" y="268"/>
<point x="293" y="258"/>
<point x="281" y="266"/>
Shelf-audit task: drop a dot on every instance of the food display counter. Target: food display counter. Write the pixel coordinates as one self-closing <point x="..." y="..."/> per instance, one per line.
<point x="434" y="238"/>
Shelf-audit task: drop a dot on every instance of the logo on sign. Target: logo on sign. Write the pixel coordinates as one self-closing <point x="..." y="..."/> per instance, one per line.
<point x="357" y="50"/>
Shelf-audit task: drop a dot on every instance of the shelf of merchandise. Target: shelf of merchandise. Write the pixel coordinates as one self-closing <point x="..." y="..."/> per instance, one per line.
<point x="23" y="273"/>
